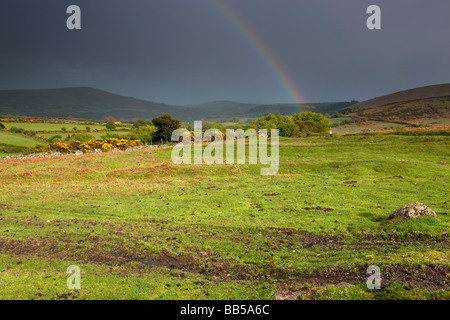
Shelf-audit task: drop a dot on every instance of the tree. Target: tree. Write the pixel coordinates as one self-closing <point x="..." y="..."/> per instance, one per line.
<point x="264" y="124"/>
<point x="293" y="125"/>
<point x="140" y="122"/>
<point x="166" y="125"/>
<point x="2" y="126"/>
<point x="311" y="122"/>
<point x="286" y="125"/>
<point x="63" y="129"/>
<point x="144" y="133"/>
<point x="268" y="122"/>
<point x="110" y="126"/>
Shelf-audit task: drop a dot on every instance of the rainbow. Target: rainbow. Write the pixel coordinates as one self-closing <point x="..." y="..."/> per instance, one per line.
<point x="262" y="49"/>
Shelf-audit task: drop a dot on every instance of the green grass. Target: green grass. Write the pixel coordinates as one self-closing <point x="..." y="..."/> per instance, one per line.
<point x="15" y="143"/>
<point x="13" y="139"/>
<point x="225" y="231"/>
<point x="95" y="134"/>
<point x="40" y="126"/>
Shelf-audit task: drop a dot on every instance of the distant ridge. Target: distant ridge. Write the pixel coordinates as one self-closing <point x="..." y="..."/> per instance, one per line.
<point x="424" y="105"/>
<point x="91" y="103"/>
<point x="81" y="102"/>
<point x="420" y="93"/>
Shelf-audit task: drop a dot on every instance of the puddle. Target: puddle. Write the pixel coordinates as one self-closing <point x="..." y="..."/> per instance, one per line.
<point x="146" y="261"/>
<point x="158" y="261"/>
<point x="319" y="209"/>
<point x="150" y="262"/>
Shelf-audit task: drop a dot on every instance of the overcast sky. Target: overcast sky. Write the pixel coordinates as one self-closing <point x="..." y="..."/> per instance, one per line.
<point x="193" y="51"/>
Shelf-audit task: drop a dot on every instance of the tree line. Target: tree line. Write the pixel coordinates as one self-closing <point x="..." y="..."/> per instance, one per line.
<point x="159" y="129"/>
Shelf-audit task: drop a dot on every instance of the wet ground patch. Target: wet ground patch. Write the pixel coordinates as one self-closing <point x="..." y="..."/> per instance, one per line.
<point x="318" y="208"/>
<point x="431" y="277"/>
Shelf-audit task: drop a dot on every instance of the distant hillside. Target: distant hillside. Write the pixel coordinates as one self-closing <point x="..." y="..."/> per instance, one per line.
<point x="424" y="105"/>
<point x="82" y="102"/>
<point x="421" y="93"/>
<point x="230" y="108"/>
<point x="90" y="103"/>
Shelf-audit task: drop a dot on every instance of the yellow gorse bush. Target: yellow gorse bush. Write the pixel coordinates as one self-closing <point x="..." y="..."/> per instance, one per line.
<point x="97" y="144"/>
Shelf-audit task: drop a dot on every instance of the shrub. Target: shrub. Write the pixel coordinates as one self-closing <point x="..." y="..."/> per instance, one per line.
<point x="311" y="122"/>
<point x="107" y="146"/>
<point x="110" y="125"/>
<point x="110" y="135"/>
<point x="96" y="144"/>
<point x="82" y="137"/>
<point x="293" y="125"/>
<point x="144" y="133"/>
<point x="39" y="148"/>
<point x="29" y="133"/>
<point x="55" y="138"/>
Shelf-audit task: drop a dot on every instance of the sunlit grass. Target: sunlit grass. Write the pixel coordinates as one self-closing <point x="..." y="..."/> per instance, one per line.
<point x="241" y="232"/>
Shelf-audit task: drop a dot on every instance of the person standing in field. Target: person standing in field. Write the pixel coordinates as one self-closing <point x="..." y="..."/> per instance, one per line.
<point x="331" y="132"/>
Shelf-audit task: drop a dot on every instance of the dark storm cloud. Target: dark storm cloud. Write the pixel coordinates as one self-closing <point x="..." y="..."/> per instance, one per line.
<point x="187" y="51"/>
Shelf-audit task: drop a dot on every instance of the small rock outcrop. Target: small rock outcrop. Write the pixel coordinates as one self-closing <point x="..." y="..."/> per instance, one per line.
<point x="289" y="295"/>
<point x="412" y="210"/>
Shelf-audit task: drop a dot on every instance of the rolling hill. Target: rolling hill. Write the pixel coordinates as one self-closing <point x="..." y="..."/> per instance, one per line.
<point x="90" y="103"/>
<point x="423" y="105"/>
<point x="82" y="102"/>
<point x="421" y="93"/>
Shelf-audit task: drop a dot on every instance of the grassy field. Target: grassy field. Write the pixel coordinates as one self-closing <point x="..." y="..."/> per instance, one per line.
<point x="140" y="227"/>
<point x="95" y="134"/>
<point x="40" y="126"/>
<point x="13" y="143"/>
<point x="18" y="140"/>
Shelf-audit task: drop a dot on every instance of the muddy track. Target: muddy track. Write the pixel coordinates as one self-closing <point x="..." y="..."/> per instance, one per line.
<point x="432" y="277"/>
<point x="121" y="247"/>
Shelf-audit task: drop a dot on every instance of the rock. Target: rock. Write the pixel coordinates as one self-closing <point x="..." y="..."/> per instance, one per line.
<point x="289" y="295"/>
<point x="340" y="284"/>
<point x="412" y="210"/>
<point x="344" y="284"/>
